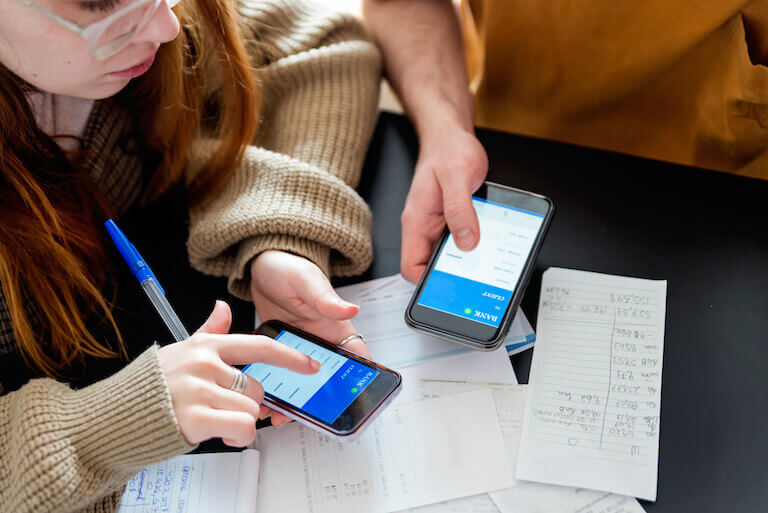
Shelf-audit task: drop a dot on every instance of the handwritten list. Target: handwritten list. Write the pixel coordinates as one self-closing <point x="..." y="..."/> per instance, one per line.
<point x="594" y="401"/>
<point x="195" y="483"/>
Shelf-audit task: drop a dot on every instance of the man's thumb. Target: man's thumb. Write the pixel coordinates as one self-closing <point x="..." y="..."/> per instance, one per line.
<point x="219" y="321"/>
<point x="461" y="218"/>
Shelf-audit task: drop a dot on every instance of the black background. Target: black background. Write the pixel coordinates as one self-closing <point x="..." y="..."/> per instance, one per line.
<point x="704" y="232"/>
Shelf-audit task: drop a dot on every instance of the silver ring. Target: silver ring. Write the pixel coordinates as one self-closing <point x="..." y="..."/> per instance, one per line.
<point x="352" y="337"/>
<point x="239" y="381"/>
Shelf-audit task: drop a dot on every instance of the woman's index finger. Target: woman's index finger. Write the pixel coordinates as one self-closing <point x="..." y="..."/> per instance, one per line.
<point x="237" y="349"/>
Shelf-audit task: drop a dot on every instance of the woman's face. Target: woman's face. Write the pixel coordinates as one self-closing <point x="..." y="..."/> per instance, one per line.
<point x="54" y="58"/>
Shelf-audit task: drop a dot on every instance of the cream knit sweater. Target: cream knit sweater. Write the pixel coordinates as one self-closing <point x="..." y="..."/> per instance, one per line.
<point x="68" y="450"/>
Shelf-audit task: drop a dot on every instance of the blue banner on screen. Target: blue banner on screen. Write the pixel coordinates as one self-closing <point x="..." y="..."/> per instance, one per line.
<point x="465" y="298"/>
<point x="478" y="285"/>
<point x="324" y="395"/>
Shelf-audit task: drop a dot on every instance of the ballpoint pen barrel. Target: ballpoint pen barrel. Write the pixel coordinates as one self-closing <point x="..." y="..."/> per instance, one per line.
<point x="156" y="296"/>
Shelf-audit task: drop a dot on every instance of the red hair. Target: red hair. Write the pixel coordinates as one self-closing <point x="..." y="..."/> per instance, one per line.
<point x="50" y="235"/>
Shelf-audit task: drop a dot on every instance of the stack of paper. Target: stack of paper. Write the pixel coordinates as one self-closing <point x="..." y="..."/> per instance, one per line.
<point x="414" y="454"/>
<point x="451" y="439"/>
<point x="523" y="496"/>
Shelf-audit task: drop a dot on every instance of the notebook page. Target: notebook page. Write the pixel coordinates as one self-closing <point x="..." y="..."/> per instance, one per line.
<point x="188" y="484"/>
<point x="594" y="399"/>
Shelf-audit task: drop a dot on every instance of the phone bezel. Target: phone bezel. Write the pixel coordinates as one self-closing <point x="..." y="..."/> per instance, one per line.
<point x="372" y="399"/>
<point x="464" y="331"/>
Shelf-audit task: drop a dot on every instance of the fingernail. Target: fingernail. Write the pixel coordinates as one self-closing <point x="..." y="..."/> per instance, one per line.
<point x="344" y="304"/>
<point x="465" y="239"/>
<point x="315" y="364"/>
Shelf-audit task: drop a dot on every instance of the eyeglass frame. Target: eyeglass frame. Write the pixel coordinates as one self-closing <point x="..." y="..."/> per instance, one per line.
<point x="92" y="31"/>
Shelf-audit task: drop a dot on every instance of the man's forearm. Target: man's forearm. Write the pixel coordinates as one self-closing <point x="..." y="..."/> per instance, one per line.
<point x="424" y="55"/>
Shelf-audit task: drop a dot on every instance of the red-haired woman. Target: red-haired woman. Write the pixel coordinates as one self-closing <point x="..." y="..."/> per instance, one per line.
<point x="261" y="112"/>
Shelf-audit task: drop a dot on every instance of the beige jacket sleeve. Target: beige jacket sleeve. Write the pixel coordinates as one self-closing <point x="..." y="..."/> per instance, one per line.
<point x="294" y="190"/>
<point x="64" y="450"/>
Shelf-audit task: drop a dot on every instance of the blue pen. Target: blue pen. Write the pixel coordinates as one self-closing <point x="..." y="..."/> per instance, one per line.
<point x="148" y="282"/>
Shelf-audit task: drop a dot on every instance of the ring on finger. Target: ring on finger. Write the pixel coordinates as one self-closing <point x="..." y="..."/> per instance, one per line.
<point x="351" y="338"/>
<point x="239" y="381"/>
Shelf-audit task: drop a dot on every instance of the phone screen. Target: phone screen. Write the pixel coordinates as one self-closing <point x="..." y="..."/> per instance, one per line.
<point x="478" y="285"/>
<point x="324" y="395"/>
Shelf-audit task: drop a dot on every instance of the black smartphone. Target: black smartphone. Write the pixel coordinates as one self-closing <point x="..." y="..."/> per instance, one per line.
<point x="471" y="297"/>
<point x="340" y="400"/>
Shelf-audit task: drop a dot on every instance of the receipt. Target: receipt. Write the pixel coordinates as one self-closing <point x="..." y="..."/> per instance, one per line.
<point x="594" y="402"/>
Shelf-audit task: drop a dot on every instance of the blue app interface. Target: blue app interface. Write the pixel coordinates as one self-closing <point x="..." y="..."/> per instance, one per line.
<point x="478" y="285"/>
<point x="325" y="394"/>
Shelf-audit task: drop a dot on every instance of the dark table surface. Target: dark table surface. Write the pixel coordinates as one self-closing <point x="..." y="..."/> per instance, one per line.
<point x="704" y="232"/>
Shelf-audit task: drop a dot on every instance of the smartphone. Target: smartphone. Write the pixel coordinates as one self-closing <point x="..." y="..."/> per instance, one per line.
<point x="471" y="297"/>
<point x="340" y="400"/>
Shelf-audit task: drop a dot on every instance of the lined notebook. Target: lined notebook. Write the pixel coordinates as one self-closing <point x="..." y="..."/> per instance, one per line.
<point x="222" y="482"/>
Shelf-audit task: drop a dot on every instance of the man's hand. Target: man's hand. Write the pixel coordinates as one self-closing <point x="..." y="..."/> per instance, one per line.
<point x="452" y="165"/>
<point x="424" y="60"/>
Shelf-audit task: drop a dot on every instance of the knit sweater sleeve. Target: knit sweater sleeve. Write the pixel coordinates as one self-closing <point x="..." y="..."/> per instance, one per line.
<point x="294" y="190"/>
<point x="67" y="450"/>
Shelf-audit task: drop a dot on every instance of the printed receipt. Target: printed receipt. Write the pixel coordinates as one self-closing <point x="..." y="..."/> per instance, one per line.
<point x="594" y="399"/>
<point x="415" y="454"/>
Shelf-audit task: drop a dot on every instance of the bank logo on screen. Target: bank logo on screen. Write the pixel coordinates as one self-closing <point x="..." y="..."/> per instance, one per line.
<point x="479" y="284"/>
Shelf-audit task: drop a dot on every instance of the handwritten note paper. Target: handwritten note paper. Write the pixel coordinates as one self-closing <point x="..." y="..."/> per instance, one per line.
<point x="594" y="400"/>
<point x="194" y="483"/>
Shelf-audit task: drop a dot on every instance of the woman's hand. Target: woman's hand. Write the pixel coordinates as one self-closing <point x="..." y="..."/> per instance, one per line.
<point x="199" y="372"/>
<point x="294" y="290"/>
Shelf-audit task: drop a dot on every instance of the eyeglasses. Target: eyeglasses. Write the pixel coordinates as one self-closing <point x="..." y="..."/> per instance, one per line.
<point x="108" y="36"/>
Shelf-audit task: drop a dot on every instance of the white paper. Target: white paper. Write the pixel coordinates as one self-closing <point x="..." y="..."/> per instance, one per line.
<point x="248" y="482"/>
<point x="413" y="455"/>
<point x="594" y="400"/>
<point x="509" y="400"/>
<point x="523" y="496"/>
<point x="475" y="504"/>
<point x="543" y="498"/>
<point x="392" y="343"/>
<point x="476" y="366"/>
<point x="193" y="483"/>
